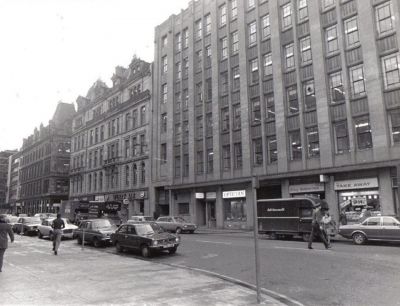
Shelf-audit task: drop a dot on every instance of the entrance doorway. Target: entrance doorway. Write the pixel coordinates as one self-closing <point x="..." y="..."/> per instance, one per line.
<point x="210" y="213"/>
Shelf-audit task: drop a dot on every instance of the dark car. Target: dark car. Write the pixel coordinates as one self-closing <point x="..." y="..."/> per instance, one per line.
<point x="384" y="228"/>
<point x="145" y="237"/>
<point x="27" y="225"/>
<point x="95" y="231"/>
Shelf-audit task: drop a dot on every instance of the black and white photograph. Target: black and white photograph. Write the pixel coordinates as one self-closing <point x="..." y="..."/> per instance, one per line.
<point x="200" y="152"/>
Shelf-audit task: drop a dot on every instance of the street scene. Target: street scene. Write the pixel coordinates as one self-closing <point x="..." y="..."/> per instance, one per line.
<point x="200" y="152"/>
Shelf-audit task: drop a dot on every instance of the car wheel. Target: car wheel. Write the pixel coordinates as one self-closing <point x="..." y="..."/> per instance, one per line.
<point x="145" y="251"/>
<point x="178" y="230"/>
<point x="119" y="247"/>
<point x="79" y="240"/>
<point x="40" y="235"/>
<point x="359" y="238"/>
<point x="173" y="250"/>
<point x="96" y="242"/>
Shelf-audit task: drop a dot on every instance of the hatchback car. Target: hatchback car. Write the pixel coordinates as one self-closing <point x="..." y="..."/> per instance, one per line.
<point x="95" y="231"/>
<point x="27" y="225"/>
<point x="45" y="229"/>
<point x="384" y="228"/>
<point x="176" y="224"/>
<point x="142" y="236"/>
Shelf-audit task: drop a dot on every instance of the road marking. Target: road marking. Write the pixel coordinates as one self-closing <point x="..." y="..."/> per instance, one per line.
<point x="210" y="255"/>
<point x="303" y="249"/>
<point x="215" y="242"/>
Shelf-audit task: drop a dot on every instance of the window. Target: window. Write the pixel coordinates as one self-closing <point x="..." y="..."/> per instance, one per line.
<point x="250" y="4"/>
<point x="134" y="118"/>
<point x="134" y="146"/>
<point x="142" y="144"/>
<point x="164" y="64"/>
<point x="128" y="122"/>
<point x="225" y="119"/>
<point x="226" y="155"/>
<point x="199" y="92"/>
<point x="143" y="115"/>
<point x="256" y="111"/>
<point x="289" y="56"/>
<point x="394" y="119"/>
<point x="178" y="133"/>
<point x="235" y="42"/>
<point x="164" y="41"/>
<point x="237" y="151"/>
<point x="163" y="153"/>
<point x="272" y="149"/>
<point x="178" y="70"/>
<point x="303" y="10"/>
<point x="327" y="3"/>
<point x="127" y="176"/>
<point x="164" y="92"/>
<point x="293" y="102"/>
<point x="89" y="183"/>
<point x="305" y="50"/>
<point x="183" y="209"/>
<point x="208" y="24"/>
<point x="309" y="95"/>
<point x="185" y="68"/>
<point x="258" y="152"/>
<point x="199" y="127"/>
<point x="224" y="83"/>
<point x="200" y="162"/>
<point x="295" y="145"/>
<point x="254" y="71"/>
<point x="126" y="148"/>
<point x="252" y="30"/>
<point x="270" y="107"/>
<point x="224" y="48"/>
<point x="388" y="221"/>
<point x="286" y="16"/>
<point x="312" y="141"/>
<point x="185" y="99"/>
<point x="210" y="160"/>
<point x="143" y="172"/>
<point x="222" y="13"/>
<point x="336" y="87"/>
<point x="267" y="62"/>
<point x="374" y="221"/>
<point x="384" y="17"/>
<point x="199" y="56"/>
<point x="236" y="117"/>
<point x="391" y="74"/>
<point x="341" y="137"/>
<point x="164" y="123"/>
<point x="265" y="25"/>
<point x="178" y="102"/>
<point x="357" y="81"/>
<point x="199" y="29"/>
<point x="134" y="174"/>
<point x="234" y="9"/>
<point x="363" y="131"/>
<point x="331" y="39"/>
<point x="208" y="89"/>
<point x="235" y="210"/>
<point x="185" y="165"/>
<point x="209" y="124"/>
<point x="185" y="38"/>
<point x="208" y="52"/>
<point x="351" y="31"/>
<point x="235" y="78"/>
<point x="178" y="39"/>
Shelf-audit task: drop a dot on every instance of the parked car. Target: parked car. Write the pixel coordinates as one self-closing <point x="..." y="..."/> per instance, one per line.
<point x="45" y="229"/>
<point x="143" y="237"/>
<point x="12" y="220"/>
<point x="95" y="231"/>
<point x="140" y="219"/>
<point x="384" y="228"/>
<point x="43" y="216"/>
<point x="27" y="225"/>
<point x="176" y="224"/>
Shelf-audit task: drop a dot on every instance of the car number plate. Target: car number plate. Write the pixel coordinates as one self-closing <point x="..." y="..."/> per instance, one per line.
<point x="168" y="246"/>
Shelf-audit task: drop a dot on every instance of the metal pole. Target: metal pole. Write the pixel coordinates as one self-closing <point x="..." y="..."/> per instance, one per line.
<point x="255" y="184"/>
<point x="83" y="238"/>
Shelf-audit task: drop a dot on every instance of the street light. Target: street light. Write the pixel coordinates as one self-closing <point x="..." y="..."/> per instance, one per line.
<point x="255" y="185"/>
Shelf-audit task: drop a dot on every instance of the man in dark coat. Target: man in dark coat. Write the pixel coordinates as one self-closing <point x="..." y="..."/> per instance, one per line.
<point x="316" y="226"/>
<point x="5" y="230"/>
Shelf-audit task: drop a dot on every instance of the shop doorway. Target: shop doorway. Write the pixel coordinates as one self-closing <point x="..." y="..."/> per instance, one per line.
<point x="210" y="212"/>
<point x="206" y="214"/>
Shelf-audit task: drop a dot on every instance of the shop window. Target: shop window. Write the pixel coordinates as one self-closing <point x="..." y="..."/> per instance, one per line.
<point x="183" y="209"/>
<point x="235" y="210"/>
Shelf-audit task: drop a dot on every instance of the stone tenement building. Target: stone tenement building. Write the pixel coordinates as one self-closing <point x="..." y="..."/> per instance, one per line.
<point x="44" y="163"/>
<point x="110" y="159"/>
<point x="4" y="172"/>
<point x="13" y="184"/>
<point x="303" y="96"/>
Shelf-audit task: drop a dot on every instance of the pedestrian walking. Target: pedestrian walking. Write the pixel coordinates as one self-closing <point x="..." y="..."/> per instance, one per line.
<point x="5" y="231"/>
<point x="316" y="228"/>
<point x="57" y="225"/>
<point x="327" y="226"/>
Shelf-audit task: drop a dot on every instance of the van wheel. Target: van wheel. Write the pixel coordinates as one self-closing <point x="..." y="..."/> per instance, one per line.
<point x="306" y="237"/>
<point x="359" y="238"/>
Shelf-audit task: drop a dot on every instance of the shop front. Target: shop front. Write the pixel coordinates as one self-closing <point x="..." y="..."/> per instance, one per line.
<point x="314" y="190"/>
<point x="205" y="203"/>
<point x="357" y="199"/>
<point x="133" y="203"/>
<point x="235" y="209"/>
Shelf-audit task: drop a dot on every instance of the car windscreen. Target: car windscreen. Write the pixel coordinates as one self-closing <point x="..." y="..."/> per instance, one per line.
<point x="32" y="220"/>
<point x="101" y="224"/>
<point x="156" y="227"/>
<point x="180" y="219"/>
<point x="144" y="229"/>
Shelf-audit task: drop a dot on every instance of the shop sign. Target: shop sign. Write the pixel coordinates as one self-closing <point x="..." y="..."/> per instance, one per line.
<point x="129" y="195"/>
<point x="56" y="204"/>
<point x="125" y="201"/>
<point x="360" y="201"/>
<point x="211" y="195"/>
<point x="234" y="194"/>
<point x="357" y="184"/>
<point x="199" y="195"/>
<point x="304" y="188"/>
<point x="99" y="198"/>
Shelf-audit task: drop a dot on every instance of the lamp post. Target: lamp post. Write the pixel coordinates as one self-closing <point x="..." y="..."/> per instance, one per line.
<point x="255" y="185"/>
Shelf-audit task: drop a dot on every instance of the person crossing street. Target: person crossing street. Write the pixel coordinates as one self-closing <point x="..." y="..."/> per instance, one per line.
<point x="316" y="228"/>
<point x="5" y="230"/>
<point x="57" y="225"/>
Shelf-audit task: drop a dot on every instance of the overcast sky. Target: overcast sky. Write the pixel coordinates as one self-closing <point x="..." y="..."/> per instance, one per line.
<point x="55" y="50"/>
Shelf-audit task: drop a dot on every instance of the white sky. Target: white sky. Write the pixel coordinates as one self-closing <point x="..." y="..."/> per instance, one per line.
<point x="55" y="50"/>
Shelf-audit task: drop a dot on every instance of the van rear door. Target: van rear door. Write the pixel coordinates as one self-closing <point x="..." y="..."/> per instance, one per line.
<point x="305" y="214"/>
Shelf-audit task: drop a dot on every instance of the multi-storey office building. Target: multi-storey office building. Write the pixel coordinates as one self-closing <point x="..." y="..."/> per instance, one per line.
<point x="4" y="172"/>
<point x="44" y="164"/>
<point x="303" y="96"/>
<point x="13" y="186"/>
<point x="109" y="159"/>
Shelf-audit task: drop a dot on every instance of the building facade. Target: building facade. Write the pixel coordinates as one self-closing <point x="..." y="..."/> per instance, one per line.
<point x="284" y="98"/>
<point x="110" y="153"/>
<point x="4" y="173"/>
<point x="44" y="164"/>
<point x="13" y="184"/>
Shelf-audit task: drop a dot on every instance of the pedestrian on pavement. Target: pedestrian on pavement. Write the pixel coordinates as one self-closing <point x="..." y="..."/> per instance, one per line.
<point x="57" y="225"/>
<point x="327" y="226"/>
<point x="5" y="229"/>
<point x="316" y="228"/>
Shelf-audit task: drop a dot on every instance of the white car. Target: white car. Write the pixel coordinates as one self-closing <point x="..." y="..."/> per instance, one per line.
<point x="140" y="219"/>
<point x="45" y="229"/>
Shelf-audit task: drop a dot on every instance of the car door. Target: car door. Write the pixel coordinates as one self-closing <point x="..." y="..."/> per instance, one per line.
<point x="133" y="240"/>
<point x="122" y="235"/>
<point x="390" y="228"/>
<point x="162" y="222"/>
<point x="373" y="228"/>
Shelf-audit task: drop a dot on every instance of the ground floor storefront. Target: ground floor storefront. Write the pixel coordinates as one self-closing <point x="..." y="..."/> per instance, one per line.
<point x="32" y="206"/>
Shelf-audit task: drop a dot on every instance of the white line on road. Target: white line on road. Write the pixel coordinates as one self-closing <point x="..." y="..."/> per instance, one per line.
<point x="302" y="249"/>
<point x="215" y="242"/>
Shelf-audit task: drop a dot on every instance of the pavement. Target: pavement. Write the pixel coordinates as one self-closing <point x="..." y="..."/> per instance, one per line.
<point x="33" y="275"/>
